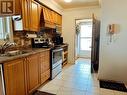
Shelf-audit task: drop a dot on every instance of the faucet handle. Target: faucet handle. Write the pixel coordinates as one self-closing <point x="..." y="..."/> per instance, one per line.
<point x="5" y="43"/>
<point x="14" y="44"/>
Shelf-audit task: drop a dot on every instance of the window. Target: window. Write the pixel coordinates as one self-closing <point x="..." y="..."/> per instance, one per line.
<point x="1" y="28"/>
<point x="86" y="37"/>
<point x="4" y="27"/>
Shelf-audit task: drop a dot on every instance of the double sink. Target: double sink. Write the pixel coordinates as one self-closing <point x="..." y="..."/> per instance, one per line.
<point x="14" y="53"/>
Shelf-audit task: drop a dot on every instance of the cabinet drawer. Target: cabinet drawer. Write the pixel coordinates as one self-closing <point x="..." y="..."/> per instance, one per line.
<point x="45" y="67"/>
<point x="42" y="55"/>
<point x="45" y="76"/>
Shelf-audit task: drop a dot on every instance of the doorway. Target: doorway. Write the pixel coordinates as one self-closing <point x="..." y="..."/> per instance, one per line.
<point x="87" y="41"/>
<point x="83" y="38"/>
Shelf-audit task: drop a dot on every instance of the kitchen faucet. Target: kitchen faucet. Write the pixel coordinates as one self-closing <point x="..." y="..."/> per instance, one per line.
<point x="5" y="46"/>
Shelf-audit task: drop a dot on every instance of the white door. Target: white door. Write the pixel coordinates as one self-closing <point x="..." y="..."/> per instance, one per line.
<point x="85" y="40"/>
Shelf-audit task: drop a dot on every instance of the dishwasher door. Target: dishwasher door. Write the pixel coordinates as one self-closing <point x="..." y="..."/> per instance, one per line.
<point x="2" y="89"/>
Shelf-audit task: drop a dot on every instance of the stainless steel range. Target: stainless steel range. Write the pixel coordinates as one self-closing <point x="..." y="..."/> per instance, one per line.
<point x="56" y="62"/>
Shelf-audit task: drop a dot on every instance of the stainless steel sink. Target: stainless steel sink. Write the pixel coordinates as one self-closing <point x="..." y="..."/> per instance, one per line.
<point x="14" y="53"/>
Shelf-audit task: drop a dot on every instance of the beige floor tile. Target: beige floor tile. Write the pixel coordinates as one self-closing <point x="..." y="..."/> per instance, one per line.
<point x="106" y="91"/>
<point x="70" y="91"/>
<point x="76" y="79"/>
<point x="93" y="89"/>
<point x="93" y="83"/>
<point x="64" y="91"/>
<point x="120" y="93"/>
<point x="74" y="85"/>
<point x="57" y="82"/>
<point x="50" y="88"/>
<point x="93" y="93"/>
<point x="78" y="93"/>
<point x="98" y="91"/>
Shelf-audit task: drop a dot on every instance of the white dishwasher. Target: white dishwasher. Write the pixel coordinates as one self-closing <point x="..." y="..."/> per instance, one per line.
<point x="2" y="89"/>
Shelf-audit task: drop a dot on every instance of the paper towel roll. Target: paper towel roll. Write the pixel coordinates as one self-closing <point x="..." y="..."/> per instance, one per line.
<point x="31" y="35"/>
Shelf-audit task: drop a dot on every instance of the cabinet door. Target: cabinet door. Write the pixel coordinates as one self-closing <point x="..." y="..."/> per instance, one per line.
<point x="60" y="20"/>
<point x="45" y="76"/>
<point x="55" y="18"/>
<point x="32" y="72"/>
<point x="25" y="14"/>
<point x="46" y="14"/>
<point x="52" y="17"/>
<point x="18" y="7"/>
<point x="42" y="55"/>
<point x="45" y="61"/>
<point x="45" y="65"/>
<point x="34" y="16"/>
<point x="14" y="75"/>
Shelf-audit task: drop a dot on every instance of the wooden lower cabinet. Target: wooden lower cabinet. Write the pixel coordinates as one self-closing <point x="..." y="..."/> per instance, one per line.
<point x="45" y="66"/>
<point x="14" y="75"/>
<point x="45" y="76"/>
<point x="32" y="72"/>
<point x="25" y="75"/>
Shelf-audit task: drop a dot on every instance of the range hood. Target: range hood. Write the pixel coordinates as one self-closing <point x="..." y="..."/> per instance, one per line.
<point x="46" y="18"/>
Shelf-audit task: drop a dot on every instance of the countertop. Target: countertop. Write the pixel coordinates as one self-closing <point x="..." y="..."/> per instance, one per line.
<point x="29" y="52"/>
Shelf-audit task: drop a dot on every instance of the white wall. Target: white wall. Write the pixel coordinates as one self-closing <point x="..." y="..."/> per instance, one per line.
<point x="53" y="5"/>
<point x="113" y="55"/>
<point x="68" y="28"/>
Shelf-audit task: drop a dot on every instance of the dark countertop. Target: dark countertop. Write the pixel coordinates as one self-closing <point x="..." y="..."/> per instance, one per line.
<point x="29" y="52"/>
<point x="63" y="45"/>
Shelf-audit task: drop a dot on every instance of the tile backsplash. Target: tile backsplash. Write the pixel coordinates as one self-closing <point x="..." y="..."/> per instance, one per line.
<point x="22" y="41"/>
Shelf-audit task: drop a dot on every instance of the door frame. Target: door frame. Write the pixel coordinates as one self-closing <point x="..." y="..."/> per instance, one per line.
<point x="75" y="37"/>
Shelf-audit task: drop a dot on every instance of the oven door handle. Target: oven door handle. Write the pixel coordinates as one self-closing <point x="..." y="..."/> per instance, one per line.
<point x="56" y="50"/>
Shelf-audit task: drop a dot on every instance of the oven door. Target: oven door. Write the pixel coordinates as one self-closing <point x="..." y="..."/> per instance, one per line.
<point x="56" y="57"/>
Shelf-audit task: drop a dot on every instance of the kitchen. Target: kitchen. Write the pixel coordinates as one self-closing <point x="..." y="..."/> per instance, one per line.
<point x="29" y="64"/>
<point x="32" y="49"/>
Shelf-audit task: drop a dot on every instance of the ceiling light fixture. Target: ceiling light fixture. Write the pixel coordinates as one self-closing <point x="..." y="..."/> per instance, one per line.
<point x="67" y="1"/>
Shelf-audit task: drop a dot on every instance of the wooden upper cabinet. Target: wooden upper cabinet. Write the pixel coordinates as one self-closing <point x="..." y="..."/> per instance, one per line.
<point x="14" y="75"/>
<point x="34" y="16"/>
<point x="25" y="14"/>
<point x="59" y="20"/>
<point x="30" y="11"/>
<point x="51" y="17"/>
<point x="46" y="14"/>
<point x="18" y="6"/>
<point x="46" y="18"/>
<point x="55" y="18"/>
<point x="32" y="72"/>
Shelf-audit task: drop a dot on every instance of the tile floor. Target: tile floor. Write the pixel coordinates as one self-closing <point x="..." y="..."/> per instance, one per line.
<point x="77" y="80"/>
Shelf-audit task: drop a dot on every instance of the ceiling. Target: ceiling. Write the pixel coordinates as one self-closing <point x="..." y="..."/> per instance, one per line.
<point x="77" y="3"/>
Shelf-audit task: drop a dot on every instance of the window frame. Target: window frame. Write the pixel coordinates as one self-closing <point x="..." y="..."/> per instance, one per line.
<point x="84" y="38"/>
<point x="3" y="30"/>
